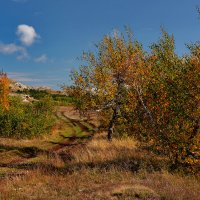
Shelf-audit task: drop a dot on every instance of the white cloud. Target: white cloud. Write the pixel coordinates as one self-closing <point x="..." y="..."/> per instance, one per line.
<point x="9" y="49"/>
<point x="41" y="59"/>
<point x="27" y="34"/>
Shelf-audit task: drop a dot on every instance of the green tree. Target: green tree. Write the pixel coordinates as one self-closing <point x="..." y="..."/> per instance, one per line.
<point x="173" y="100"/>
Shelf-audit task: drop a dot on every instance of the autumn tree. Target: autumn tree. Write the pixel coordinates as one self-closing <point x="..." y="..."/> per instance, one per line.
<point x="112" y="78"/>
<point x="4" y="90"/>
<point x="173" y="99"/>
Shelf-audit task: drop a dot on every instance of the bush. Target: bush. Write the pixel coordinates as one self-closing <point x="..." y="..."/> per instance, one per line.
<point x="25" y="120"/>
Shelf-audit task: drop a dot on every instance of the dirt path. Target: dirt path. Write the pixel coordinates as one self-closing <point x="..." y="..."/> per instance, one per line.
<point x="69" y="134"/>
<point x="76" y="130"/>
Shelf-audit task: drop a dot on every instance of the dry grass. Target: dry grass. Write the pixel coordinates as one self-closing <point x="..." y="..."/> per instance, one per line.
<point x="98" y="184"/>
<point x="99" y="170"/>
<point x="122" y="154"/>
<point x="137" y="191"/>
<point x="99" y="149"/>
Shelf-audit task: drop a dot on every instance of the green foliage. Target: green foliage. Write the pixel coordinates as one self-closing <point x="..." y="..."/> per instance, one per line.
<point x="25" y="120"/>
<point x="36" y="94"/>
<point x="62" y="99"/>
<point x="172" y="97"/>
<point x="58" y="99"/>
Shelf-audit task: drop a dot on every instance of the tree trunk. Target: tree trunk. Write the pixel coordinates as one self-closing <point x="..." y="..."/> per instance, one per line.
<point x="110" y="133"/>
<point x="117" y="100"/>
<point x="112" y="123"/>
<point x="146" y="109"/>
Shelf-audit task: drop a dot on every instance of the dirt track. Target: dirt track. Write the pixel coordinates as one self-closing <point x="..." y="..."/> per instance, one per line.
<point x="70" y="133"/>
<point x="80" y="128"/>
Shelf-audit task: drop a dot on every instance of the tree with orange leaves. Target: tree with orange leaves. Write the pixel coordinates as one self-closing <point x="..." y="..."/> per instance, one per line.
<point x="4" y="90"/>
<point x="112" y="78"/>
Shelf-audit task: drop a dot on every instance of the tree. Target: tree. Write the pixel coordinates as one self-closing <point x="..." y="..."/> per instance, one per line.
<point x="173" y="98"/>
<point x="4" y="90"/>
<point x="112" y="78"/>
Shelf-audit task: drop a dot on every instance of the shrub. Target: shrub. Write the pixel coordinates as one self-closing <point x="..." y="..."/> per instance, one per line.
<point x="25" y="120"/>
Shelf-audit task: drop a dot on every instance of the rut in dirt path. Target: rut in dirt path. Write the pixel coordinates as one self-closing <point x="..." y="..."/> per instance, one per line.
<point x="80" y="130"/>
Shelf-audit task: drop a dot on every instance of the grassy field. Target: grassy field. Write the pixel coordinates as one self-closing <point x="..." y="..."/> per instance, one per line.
<point x="77" y="162"/>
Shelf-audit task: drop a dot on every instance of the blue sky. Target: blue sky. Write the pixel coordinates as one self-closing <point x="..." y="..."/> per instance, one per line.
<point x="40" y="40"/>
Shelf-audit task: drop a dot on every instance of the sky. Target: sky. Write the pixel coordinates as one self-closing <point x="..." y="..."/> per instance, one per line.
<point x="41" y="40"/>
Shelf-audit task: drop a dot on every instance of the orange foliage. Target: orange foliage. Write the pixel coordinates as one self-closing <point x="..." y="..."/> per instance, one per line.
<point x="4" y="91"/>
